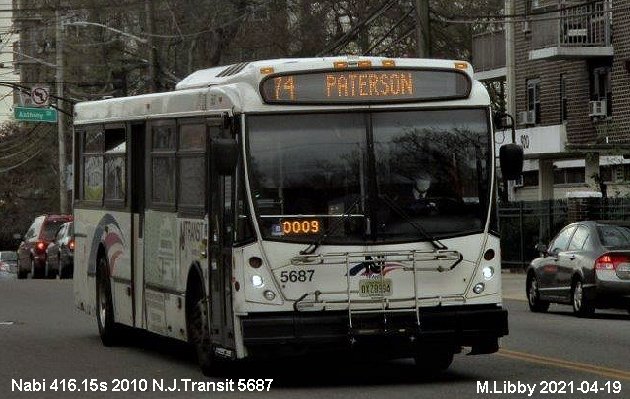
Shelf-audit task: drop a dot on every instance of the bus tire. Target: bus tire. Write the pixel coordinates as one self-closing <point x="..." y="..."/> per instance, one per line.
<point x="107" y="327"/>
<point x="432" y="362"/>
<point x="198" y="328"/>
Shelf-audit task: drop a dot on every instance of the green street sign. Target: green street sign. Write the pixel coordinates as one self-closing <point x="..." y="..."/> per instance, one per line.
<point x="29" y="114"/>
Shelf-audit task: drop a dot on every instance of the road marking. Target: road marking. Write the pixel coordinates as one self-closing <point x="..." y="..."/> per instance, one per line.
<point x="550" y="361"/>
<point x="6" y="323"/>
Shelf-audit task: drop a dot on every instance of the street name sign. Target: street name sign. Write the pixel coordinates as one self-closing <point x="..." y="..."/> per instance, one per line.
<point x="29" y="114"/>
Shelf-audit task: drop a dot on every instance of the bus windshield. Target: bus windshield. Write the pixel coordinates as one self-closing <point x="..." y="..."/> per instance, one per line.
<point x="395" y="176"/>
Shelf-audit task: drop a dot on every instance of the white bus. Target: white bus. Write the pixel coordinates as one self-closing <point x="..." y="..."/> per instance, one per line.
<point x="295" y="206"/>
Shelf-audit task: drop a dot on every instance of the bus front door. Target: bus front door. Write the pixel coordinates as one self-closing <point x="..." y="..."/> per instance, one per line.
<point x="220" y="265"/>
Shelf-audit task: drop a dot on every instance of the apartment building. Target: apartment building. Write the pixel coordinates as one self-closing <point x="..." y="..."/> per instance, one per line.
<point x="8" y="72"/>
<point x="572" y="68"/>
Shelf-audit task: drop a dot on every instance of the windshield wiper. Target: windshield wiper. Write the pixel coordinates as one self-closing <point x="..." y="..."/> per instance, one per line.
<point x="333" y="229"/>
<point x="401" y="212"/>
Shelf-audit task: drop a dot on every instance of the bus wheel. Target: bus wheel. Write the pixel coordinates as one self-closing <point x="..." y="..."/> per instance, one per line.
<point x="107" y="328"/>
<point x="199" y="334"/>
<point x="433" y="361"/>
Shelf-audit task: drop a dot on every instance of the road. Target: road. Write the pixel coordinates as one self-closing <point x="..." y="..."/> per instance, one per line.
<point x="43" y="337"/>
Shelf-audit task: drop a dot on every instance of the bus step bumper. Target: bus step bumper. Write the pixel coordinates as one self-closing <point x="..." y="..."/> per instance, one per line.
<point x="474" y="326"/>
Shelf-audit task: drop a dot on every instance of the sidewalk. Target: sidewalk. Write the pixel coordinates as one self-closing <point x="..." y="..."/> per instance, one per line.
<point x="513" y="286"/>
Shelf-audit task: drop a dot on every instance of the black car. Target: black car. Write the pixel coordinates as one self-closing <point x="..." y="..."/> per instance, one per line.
<point x="586" y="265"/>
<point x="60" y="252"/>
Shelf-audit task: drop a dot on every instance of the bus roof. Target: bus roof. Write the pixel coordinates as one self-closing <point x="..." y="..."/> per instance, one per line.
<point x="235" y="88"/>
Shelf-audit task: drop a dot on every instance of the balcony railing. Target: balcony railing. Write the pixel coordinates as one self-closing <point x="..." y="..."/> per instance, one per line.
<point x="573" y="31"/>
<point x="489" y="51"/>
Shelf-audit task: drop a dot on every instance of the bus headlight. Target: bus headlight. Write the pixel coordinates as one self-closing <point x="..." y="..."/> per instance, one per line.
<point x="269" y="295"/>
<point x="488" y="272"/>
<point x="478" y="288"/>
<point x="257" y="281"/>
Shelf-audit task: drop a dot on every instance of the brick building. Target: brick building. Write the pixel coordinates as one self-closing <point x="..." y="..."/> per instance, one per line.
<point x="572" y="69"/>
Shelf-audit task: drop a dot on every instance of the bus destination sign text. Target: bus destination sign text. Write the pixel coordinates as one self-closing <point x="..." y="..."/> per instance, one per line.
<point x="365" y="86"/>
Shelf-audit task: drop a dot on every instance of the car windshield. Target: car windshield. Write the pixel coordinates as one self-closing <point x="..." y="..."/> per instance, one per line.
<point x="8" y="255"/>
<point x="614" y="236"/>
<point x="51" y="227"/>
<point x="385" y="176"/>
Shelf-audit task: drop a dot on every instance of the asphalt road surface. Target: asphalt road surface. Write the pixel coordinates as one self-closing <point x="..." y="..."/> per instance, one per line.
<point x="42" y="337"/>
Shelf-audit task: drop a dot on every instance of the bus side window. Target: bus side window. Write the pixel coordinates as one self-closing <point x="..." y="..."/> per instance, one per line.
<point x="191" y="156"/>
<point x="92" y="164"/>
<point x="163" y="169"/>
<point x="115" y="155"/>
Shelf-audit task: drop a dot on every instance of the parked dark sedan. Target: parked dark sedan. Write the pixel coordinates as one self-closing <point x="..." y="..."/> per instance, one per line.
<point x="586" y="265"/>
<point x="60" y="253"/>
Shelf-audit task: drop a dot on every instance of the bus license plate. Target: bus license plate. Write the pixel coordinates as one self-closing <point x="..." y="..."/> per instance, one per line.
<point x="375" y="287"/>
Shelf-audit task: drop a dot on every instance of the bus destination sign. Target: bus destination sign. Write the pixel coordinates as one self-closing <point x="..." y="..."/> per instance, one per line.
<point x="365" y="86"/>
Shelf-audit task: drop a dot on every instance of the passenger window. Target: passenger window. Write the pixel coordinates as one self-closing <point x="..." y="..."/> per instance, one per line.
<point x="192" y="165"/>
<point x="93" y="164"/>
<point x="163" y="168"/>
<point x="115" y="164"/>
<point x="579" y="239"/>
<point x="562" y="239"/>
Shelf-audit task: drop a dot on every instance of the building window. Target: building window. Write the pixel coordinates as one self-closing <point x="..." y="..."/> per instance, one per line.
<point x="569" y="176"/>
<point x="533" y="101"/>
<point x="563" y="98"/>
<point x="530" y="178"/>
<point x="601" y="87"/>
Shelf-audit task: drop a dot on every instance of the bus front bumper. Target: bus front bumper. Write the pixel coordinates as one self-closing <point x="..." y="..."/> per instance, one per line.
<point x="477" y="326"/>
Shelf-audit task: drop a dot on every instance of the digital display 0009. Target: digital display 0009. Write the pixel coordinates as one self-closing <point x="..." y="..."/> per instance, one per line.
<point x="365" y="86"/>
<point x="300" y="227"/>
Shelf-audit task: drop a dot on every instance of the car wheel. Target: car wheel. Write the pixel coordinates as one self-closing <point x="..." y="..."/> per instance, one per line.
<point x="433" y="361"/>
<point x="533" y="295"/>
<point x="62" y="272"/>
<point x="48" y="271"/>
<point x="34" y="272"/>
<point x="109" y="331"/>
<point x="21" y="274"/>
<point x="581" y="299"/>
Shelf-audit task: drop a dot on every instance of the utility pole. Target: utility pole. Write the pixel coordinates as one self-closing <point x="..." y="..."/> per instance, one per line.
<point x="510" y="78"/>
<point x="148" y="7"/>
<point x="423" y="29"/>
<point x="510" y="62"/>
<point x="61" y="116"/>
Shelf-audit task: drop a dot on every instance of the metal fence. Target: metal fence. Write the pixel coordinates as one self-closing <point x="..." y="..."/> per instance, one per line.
<point x="584" y="25"/>
<point x="524" y="224"/>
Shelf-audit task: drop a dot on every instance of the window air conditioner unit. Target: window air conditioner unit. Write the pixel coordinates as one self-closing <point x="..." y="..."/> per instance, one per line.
<point x="597" y="108"/>
<point x="526" y="27"/>
<point x="527" y="117"/>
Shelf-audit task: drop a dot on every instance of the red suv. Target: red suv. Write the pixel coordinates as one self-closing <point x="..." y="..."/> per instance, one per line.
<point x="32" y="250"/>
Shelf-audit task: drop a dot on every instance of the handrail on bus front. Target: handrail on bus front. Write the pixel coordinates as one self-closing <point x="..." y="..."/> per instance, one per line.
<point x="406" y="256"/>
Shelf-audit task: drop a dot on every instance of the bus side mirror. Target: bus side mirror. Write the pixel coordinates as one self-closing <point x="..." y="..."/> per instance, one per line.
<point x="511" y="158"/>
<point x="225" y="154"/>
